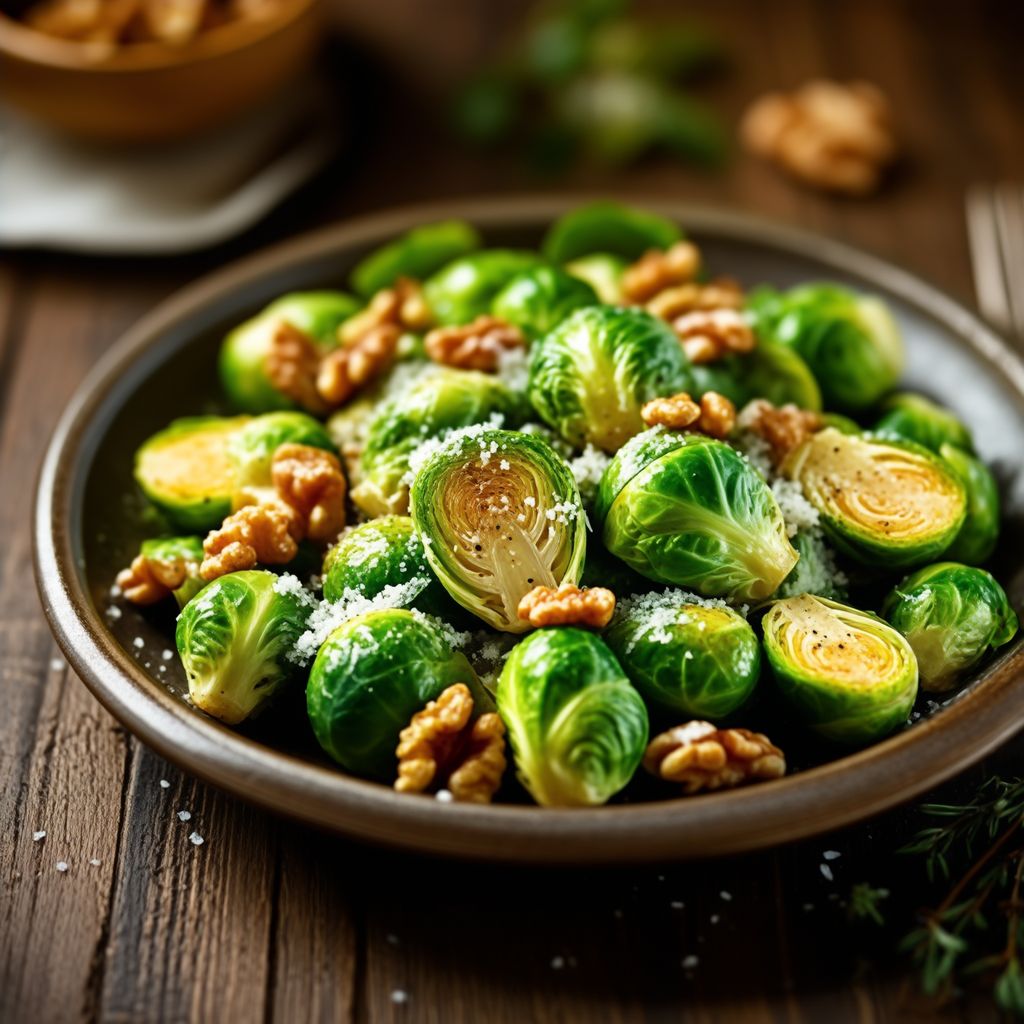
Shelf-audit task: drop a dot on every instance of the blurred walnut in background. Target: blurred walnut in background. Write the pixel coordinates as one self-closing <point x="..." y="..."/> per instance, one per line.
<point x="829" y="135"/>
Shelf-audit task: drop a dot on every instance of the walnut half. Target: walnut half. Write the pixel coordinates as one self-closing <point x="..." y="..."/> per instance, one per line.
<point x="149" y="580"/>
<point x="475" y="346"/>
<point x="714" y="416"/>
<point x="568" y="605"/>
<point x="784" y="427"/>
<point x="703" y="757"/>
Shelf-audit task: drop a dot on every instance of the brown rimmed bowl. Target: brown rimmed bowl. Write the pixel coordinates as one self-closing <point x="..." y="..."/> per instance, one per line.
<point x="88" y="522"/>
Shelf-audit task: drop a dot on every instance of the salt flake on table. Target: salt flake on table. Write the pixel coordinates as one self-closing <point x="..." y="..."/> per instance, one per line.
<point x="557" y="963"/>
<point x="36" y="836"/>
<point x="184" y="815"/>
<point x="164" y="784"/>
<point x="725" y="895"/>
<point x="62" y="866"/>
<point x="691" y="961"/>
<point x="831" y="855"/>
<point x="95" y="862"/>
<point x="56" y="664"/>
<point x="196" y="839"/>
<point x="399" y="995"/>
<point x="826" y="871"/>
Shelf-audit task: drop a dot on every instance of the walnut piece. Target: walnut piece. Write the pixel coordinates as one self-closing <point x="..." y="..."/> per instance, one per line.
<point x="708" y="336"/>
<point x="402" y="305"/>
<point x="833" y="136"/>
<point x="722" y="293"/>
<point x="703" y="757"/>
<point x="475" y="346"/>
<point x="255" y="533"/>
<point x="715" y="415"/>
<point x="659" y="269"/>
<point x="568" y="605"/>
<point x="149" y="580"/>
<point x="310" y="480"/>
<point x="784" y="427"/>
<point x="441" y="746"/>
<point x="345" y="370"/>
<point x="291" y="366"/>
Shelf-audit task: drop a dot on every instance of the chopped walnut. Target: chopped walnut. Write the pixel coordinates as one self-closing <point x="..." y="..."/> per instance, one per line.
<point x="702" y="756"/>
<point x="310" y="480"/>
<point x="291" y="366"/>
<point x="722" y="293"/>
<point x="149" y="580"/>
<point x="833" y="136"/>
<point x="475" y="346"/>
<point x="255" y="533"/>
<point x="345" y="370"/>
<point x="402" y="305"/>
<point x="783" y="427"/>
<point x="441" y="746"/>
<point x="568" y="605"/>
<point x="717" y="415"/>
<point x="659" y="269"/>
<point x="708" y="336"/>
<point x="676" y="412"/>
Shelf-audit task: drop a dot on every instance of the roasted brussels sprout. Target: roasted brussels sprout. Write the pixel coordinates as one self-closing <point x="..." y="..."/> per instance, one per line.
<point x="780" y="375"/>
<point x="436" y="403"/>
<point x="977" y="537"/>
<point x="590" y="376"/>
<point x="686" y="657"/>
<point x="188" y="550"/>
<point x="499" y="514"/>
<point x="689" y="510"/>
<point x="186" y="470"/>
<point x="816" y="572"/>
<point x="848" y="675"/>
<point x="951" y="614"/>
<point x="607" y="227"/>
<point x="252" y="448"/>
<point x="577" y="726"/>
<point x="910" y="417"/>
<point x="372" y="674"/>
<point x="539" y="299"/>
<point x="465" y="288"/>
<point x="381" y="553"/>
<point x="244" y="351"/>
<point x="416" y="254"/>
<point x="603" y="272"/>
<point x="235" y="638"/>
<point x="891" y="503"/>
<point x="851" y="342"/>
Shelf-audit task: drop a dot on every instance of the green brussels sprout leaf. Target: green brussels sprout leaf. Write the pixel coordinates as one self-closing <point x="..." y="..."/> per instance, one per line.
<point x="910" y="417"/>
<point x="603" y="272"/>
<point x="465" y="288"/>
<point x="977" y="538"/>
<point x="608" y="227"/>
<point x="540" y="299"/>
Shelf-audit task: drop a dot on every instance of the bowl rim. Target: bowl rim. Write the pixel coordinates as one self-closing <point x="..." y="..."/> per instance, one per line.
<point x="852" y="788"/>
<point x="20" y="42"/>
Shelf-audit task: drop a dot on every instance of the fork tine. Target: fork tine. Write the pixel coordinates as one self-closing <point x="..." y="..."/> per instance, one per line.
<point x="986" y="258"/>
<point x="1009" y="204"/>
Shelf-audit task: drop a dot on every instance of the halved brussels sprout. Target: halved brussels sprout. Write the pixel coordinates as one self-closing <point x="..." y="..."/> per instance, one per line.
<point x="603" y="272"/>
<point x="188" y="550"/>
<point x="816" y="572"/>
<point x="186" y="471"/>
<point x="252" y="448"/>
<point x="686" y="657"/>
<point x="385" y="552"/>
<point x="244" y="351"/>
<point x="890" y="503"/>
<point x="235" y="638"/>
<point x="611" y="227"/>
<point x="689" y="510"/>
<point x="499" y="514"/>
<point x="590" y="376"/>
<point x="372" y="674"/>
<point x="416" y="254"/>
<point x="977" y="537"/>
<point x="441" y="401"/>
<point x="911" y="417"/>
<point x="465" y="288"/>
<point x="849" y="676"/>
<point x="952" y="615"/>
<point x="577" y="727"/>
<point x="538" y="300"/>
<point x="851" y="342"/>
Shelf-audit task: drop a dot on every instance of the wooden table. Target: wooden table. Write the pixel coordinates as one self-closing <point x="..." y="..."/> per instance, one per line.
<point x="271" y="921"/>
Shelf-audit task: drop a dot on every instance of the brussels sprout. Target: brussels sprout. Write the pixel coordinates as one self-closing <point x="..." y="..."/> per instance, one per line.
<point x="385" y="552"/>
<point x="689" y="510"/>
<point x="244" y="351"/>
<point x="847" y="674"/>
<point x="603" y="272"/>
<point x="686" y="657"/>
<point x="189" y="550"/>
<point x="977" y="537"/>
<point x="252" y="448"/>
<point x="610" y="227"/>
<point x="538" y="300"/>
<point x="851" y="342"/>
<point x="438" y="402"/>
<point x="910" y="417"/>
<point x="186" y="471"/>
<point x="779" y="374"/>
<point x="499" y="514"/>
<point x="841" y="423"/>
<point x="577" y="727"/>
<point x="372" y="674"/>
<point x="590" y="376"/>
<point x="951" y="614"/>
<point x="816" y="572"/>
<point x="890" y="503"/>
<point x="465" y="288"/>
<point x="235" y="637"/>
<point x="416" y="254"/>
